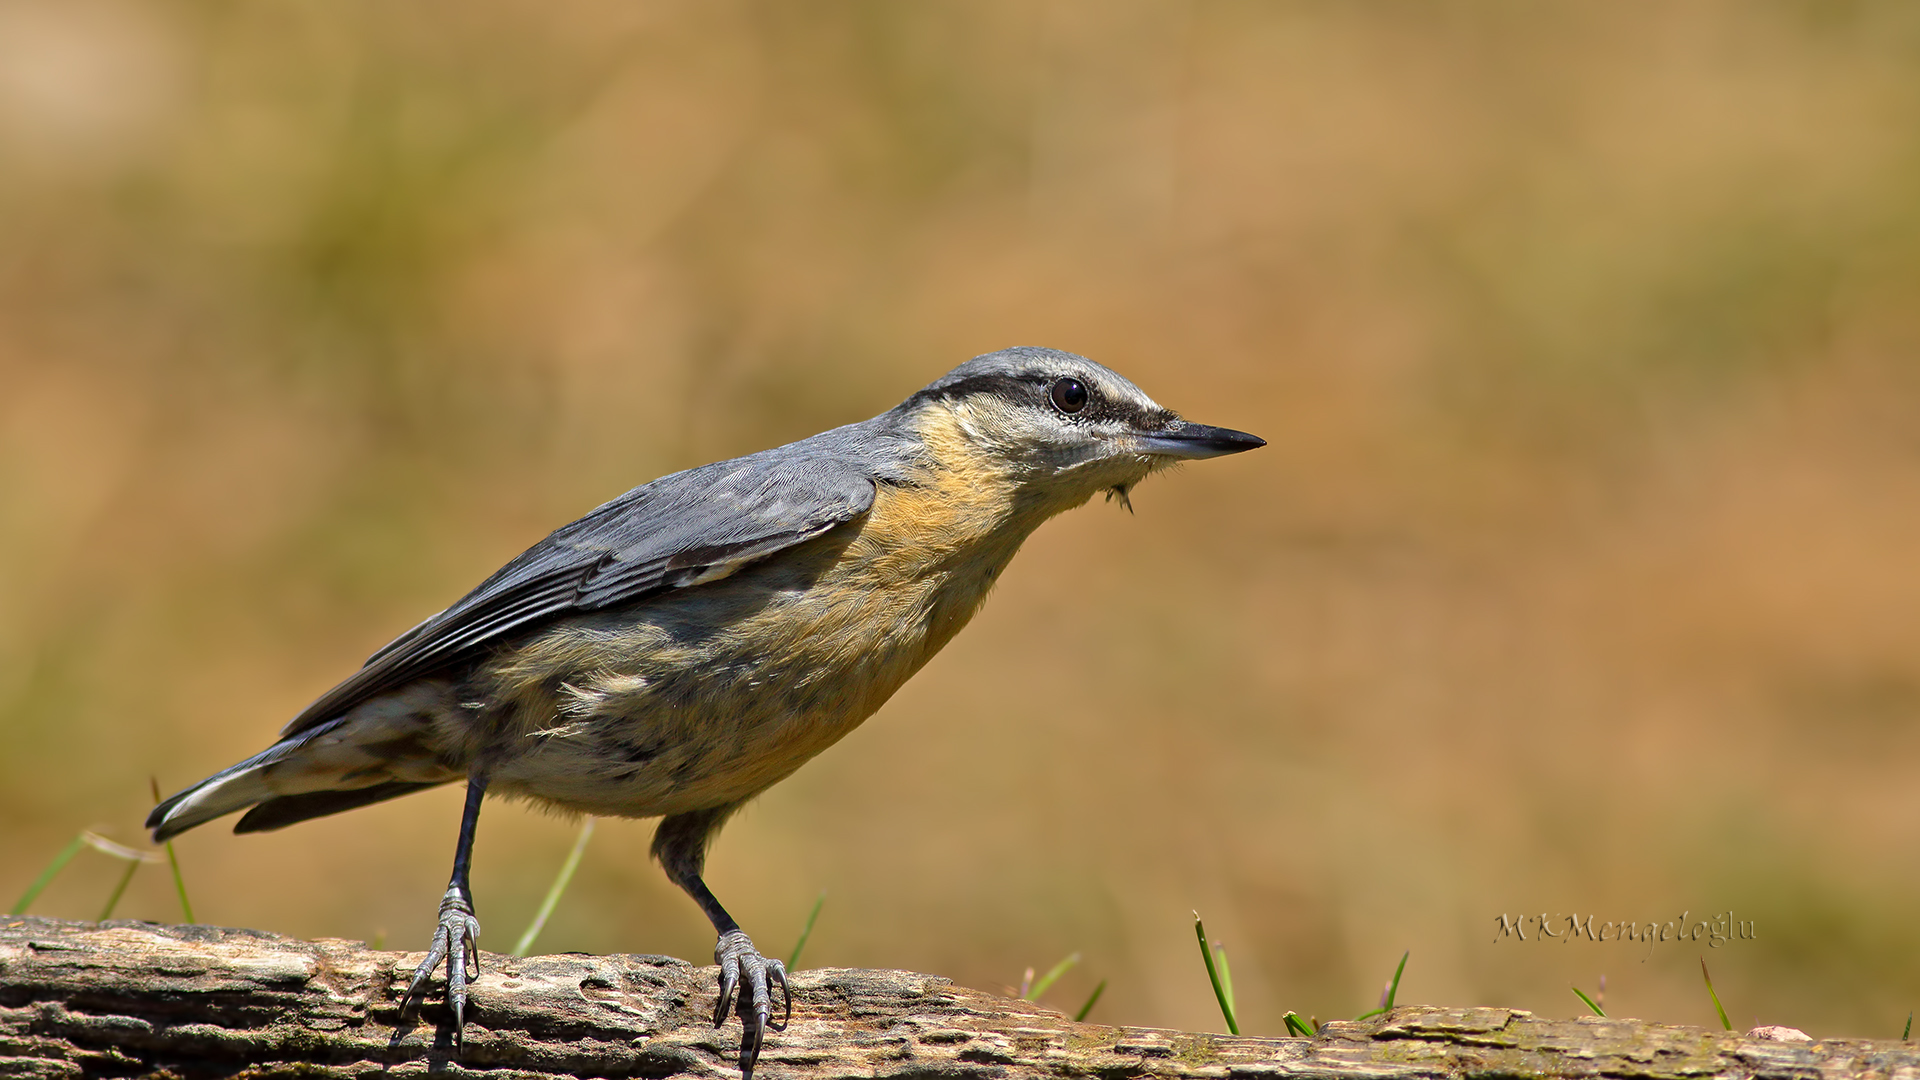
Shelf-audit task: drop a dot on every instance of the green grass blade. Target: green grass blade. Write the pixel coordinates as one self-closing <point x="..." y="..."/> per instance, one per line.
<point x="1390" y="991"/>
<point x="179" y="884"/>
<point x="46" y="877"/>
<point x="793" y="962"/>
<point x="1582" y="995"/>
<point x="1226" y="976"/>
<point x="1052" y="976"/>
<point x="1909" y="1031"/>
<point x="559" y="888"/>
<point x="1724" y="1022"/>
<point x="173" y="861"/>
<point x="119" y="890"/>
<point x="1094" y="998"/>
<point x="1294" y="1025"/>
<point x="1213" y="976"/>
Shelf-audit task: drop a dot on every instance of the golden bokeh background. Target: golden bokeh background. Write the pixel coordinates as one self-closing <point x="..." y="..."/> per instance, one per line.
<point x="1582" y="573"/>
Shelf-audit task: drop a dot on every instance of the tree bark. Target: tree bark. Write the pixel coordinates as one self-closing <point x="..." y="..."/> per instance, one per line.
<point x="126" y="998"/>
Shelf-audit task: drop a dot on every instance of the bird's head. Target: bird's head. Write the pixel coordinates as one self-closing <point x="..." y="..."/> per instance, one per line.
<point x="1062" y="427"/>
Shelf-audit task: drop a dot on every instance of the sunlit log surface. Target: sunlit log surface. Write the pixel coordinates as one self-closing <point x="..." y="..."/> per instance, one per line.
<point x="128" y="999"/>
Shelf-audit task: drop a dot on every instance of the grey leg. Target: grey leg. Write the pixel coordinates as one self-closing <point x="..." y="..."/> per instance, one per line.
<point x="681" y="846"/>
<point x="457" y="941"/>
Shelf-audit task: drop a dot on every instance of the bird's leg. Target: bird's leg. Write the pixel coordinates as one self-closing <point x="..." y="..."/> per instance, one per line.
<point x="681" y="846"/>
<point x="457" y="940"/>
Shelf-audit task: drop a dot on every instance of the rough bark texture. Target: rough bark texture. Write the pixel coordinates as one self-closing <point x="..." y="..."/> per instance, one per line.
<point x="123" y="998"/>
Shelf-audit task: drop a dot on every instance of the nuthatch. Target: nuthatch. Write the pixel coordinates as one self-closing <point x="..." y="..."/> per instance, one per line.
<point x="682" y="648"/>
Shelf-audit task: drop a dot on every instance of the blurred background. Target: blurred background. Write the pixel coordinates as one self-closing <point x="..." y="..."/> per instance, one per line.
<point x="1580" y="574"/>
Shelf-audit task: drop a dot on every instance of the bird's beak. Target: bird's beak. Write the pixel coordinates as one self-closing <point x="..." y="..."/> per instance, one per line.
<point x="1192" y="441"/>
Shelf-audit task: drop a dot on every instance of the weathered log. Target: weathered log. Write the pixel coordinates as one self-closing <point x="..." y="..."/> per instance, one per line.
<point x="127" y="998"/>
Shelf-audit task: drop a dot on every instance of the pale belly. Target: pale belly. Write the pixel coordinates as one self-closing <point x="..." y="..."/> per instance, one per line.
<point x="708" y="697"/>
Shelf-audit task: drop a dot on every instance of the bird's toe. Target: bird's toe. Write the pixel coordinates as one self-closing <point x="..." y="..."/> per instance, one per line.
<point x="456" y="941"/>
<point x="746" y="986"/>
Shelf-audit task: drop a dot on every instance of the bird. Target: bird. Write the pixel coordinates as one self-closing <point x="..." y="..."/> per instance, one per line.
<point x="694" y="641"/>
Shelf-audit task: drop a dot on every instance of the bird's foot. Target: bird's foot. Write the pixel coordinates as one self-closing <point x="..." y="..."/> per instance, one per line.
<point x="457" y="941"/>
<point x="751" y="977"/>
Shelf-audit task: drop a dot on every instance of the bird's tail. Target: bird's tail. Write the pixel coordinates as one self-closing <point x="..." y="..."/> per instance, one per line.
<point x="379" y="751"/>
<point x="234" y="788"/>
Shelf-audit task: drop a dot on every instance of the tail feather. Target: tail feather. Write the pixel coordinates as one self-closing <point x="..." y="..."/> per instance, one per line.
<point x="384" y="748"/>
<point x="216" y="796"/>
<point x="285" y="810"/>
<point x="235" y="787"/>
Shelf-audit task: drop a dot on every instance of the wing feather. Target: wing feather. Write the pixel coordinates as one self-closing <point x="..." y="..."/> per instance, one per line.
<point x="675" y="532"/>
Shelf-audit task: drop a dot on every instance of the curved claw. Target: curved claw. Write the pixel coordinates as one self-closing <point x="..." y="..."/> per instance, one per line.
<point x="746" y="981"/>
<point x="777" y="972"/>
<point x="457" y="941"/>
<point x="729" y="984"/>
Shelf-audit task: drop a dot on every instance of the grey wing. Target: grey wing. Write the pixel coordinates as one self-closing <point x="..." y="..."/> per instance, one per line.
<point x="677" y="531"/>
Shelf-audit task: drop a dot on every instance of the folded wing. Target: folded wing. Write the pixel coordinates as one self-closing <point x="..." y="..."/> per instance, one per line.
<point x="678" y="531"/>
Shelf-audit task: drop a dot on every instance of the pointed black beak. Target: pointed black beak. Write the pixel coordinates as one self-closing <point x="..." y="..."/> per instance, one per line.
<point x="1183" y="440"/>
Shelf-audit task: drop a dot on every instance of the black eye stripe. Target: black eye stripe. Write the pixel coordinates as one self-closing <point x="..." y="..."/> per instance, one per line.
<point x="1011" y="388"/>
<point x="1035" y="389"/>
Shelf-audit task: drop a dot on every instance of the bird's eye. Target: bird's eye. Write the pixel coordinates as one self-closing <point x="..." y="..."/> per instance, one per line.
<point x="1068" y="395"/>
